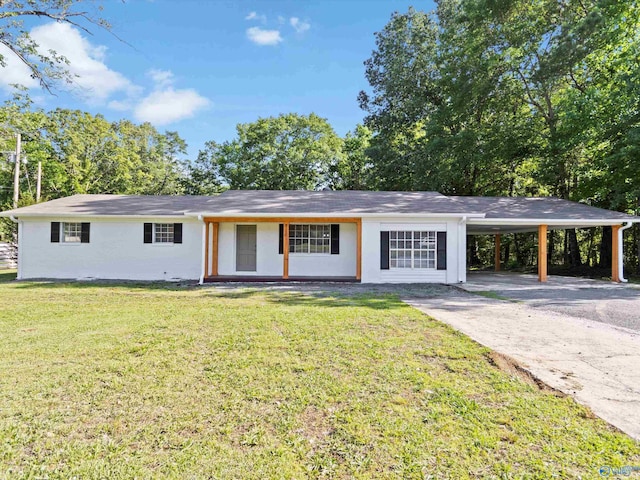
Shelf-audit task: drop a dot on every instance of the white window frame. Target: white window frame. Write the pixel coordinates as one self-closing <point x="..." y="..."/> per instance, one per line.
<point x="166" y="234"/>
<point x="76" y="227"/>
<point x="310" y="239"/>
<point x="406" y="252"/>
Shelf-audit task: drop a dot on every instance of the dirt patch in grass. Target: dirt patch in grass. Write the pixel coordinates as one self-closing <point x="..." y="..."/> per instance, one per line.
<point x="514" y="369"/>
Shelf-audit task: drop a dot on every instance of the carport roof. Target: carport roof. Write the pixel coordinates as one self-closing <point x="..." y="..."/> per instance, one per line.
<point x="525" y="214"/>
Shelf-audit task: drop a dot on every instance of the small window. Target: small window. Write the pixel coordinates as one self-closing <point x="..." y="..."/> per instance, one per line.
<point x="72" y="232"/>
<point x="163" y="232"/>
<point x="310" y="238"/>
<point x="409" y="249"/>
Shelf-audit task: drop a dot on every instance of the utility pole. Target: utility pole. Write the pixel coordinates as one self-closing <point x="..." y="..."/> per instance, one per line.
<point x="39" y="182"/>
<point x="16" y="175"/>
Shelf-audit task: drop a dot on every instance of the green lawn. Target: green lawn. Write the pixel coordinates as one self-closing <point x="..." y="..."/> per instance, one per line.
<point x="122" y="381"/>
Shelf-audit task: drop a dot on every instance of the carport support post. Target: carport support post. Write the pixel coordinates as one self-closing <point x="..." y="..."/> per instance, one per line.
<point x="497" y="255"/>
<point x="542" y="253"/>
<point x="615" y="254"/>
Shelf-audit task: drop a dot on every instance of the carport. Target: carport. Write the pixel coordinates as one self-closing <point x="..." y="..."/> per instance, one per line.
<point x="542" y="214"/>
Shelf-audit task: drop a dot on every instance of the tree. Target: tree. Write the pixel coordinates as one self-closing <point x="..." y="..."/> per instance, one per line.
<point x="486" y="98"/>
<point x="48" y="68"/>
<point x="352" y="169"/>
<point x="287" y="152"/>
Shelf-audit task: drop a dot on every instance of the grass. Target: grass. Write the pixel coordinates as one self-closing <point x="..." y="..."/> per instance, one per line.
<point x="124" y="381"/>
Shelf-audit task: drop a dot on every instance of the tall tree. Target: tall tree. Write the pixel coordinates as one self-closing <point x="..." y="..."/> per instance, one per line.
<point x="288" y="152"/>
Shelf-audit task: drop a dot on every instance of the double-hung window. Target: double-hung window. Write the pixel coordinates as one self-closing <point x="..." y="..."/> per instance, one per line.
<point x="163" y="233"/>
<point x="412" y="249"/>
<point x="314" y="238"/>
<point x="72" y="232"/>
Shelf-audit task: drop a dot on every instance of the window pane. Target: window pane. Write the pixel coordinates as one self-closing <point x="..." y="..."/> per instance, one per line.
<point x="71" y="232"/>
<point x="163" y="232"/>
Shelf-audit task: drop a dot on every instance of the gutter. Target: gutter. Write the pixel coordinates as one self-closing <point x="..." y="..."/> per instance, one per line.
<point x="620" y="249"/>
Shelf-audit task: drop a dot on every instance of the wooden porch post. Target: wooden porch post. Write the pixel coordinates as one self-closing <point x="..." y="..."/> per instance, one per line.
<point x="214" y="250"/>
<point x="542" y="253"/>
<point x="206" y="249"/>
<point x="285" y="250"/>
<point x="359" y="249"/>
<point x="497" y="254"/>
<point x="615" y="254"/>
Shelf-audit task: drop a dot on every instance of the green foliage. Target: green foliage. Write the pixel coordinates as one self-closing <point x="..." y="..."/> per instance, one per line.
<point x="83" y="153"/>
<point x="287" y="152"/>
<point x="515" y="97"/>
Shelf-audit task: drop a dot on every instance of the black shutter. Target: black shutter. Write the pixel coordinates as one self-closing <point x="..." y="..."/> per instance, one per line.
<point x="281" y="239"/>
<point x="335" y="239"/>
<point x="84" y="232"/>
<point x="177" y="233"/>
<point x="148" y="233"/>
<point x="384" y="250"/>
<point x="55" y="232"/>
<point x="442" y="250"/>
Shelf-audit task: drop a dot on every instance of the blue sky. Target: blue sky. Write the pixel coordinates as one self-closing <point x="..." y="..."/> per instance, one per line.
<point x="201" y="67"/>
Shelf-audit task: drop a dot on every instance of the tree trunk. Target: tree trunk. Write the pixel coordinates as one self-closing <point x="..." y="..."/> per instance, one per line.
<point x="637" y="235"/>
<point x="473" y="250"/>
<point x="507" y="253"/>
<point x="605" y="248"/>
<point x="574" y="249"/>
<point x="551" y="247"/>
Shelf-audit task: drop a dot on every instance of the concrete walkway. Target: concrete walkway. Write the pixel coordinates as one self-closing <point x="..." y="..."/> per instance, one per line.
<point x="597" y="363"/>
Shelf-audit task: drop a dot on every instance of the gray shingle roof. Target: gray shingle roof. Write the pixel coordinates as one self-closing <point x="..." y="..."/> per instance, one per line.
<point x="351" y="202"/>
<point x="119" y="205"/>
<point x="346" y="203"/>
<point x="550" y="208"/>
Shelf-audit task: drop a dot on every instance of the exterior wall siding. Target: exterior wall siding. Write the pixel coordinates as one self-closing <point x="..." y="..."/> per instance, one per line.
<point x="371" y="271"/>
<point x="115" y="251"/>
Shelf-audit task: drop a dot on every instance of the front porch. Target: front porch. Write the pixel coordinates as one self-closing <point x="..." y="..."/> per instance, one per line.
<point x="268" y="249"/>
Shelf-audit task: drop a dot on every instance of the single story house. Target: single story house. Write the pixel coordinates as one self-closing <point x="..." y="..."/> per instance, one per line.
<point x="369" y="237"/>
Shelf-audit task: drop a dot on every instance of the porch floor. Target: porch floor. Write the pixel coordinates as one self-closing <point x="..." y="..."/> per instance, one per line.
<point x="275" y="278"/>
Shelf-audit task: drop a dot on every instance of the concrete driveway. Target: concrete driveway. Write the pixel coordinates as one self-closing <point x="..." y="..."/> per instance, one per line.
<point x="617" y="304"/>
<point x="581" y="337"/>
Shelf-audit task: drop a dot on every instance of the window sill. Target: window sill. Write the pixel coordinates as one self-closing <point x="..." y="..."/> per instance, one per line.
<point x="309" y="254"/>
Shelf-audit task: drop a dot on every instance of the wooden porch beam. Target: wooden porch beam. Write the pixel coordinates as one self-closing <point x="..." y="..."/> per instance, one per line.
<point x="214" y="249"/>
<point x="497" y="253"/>
<point x="542" y="253"/>
<point x="285" y="250"/>
<point x="206" y="249"/>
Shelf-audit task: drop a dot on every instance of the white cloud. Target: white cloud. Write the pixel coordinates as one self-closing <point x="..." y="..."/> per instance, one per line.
<point x="261" y="36"/>
<point x="298" y="25"/>
<point x="255" y="16"/>
<point x="95" y="81"/>
<point x="161" y="78"/>
<point x="14" y="71"/>
<point x="166" y="106"/>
